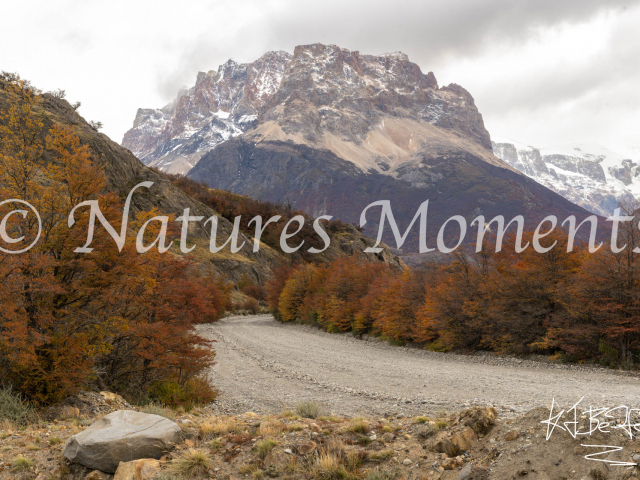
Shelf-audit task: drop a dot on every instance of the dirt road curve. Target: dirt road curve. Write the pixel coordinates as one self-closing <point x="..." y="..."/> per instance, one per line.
<point x="264" y="366"/>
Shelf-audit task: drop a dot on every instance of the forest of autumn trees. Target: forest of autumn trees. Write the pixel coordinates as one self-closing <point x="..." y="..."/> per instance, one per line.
<point x="113" y="320"/>
<point x="574" y="306"/>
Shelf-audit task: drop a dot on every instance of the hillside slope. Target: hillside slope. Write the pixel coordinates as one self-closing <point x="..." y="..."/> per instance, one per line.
<point x="123" y="171"/>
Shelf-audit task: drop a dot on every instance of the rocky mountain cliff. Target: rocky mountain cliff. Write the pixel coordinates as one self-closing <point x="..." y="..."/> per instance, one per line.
<point x="222" y="104"/>
<point x="591" y="176"/>
<point x="345" y="129"/>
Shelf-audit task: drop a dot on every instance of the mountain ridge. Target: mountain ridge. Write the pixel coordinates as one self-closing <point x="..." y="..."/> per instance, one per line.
<point x="344" y="129"/>
<point x="589" y="175"/>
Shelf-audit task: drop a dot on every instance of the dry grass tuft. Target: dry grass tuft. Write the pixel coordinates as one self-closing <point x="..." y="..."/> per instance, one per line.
<point x="219" y="426"/>
<point x="155" y="409"/>
<point x="20" y="464"/>
<point x="271" y="427"/>
<point x="263" y="447"/>
<point x="381" y="456"/>
<point x="327" y="467"/>
<point x="308" y="409"/>
<point x="191" y="463"/>
<point x="359" y="425"/>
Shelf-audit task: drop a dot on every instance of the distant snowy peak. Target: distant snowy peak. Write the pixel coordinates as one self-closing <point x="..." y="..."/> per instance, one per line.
<point x="222" y="104"/>
<point x="590" y="175"/>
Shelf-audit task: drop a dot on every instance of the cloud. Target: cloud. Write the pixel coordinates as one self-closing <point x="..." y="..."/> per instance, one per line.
<point x="428" y="31"/>
<point x="121" y="55"/>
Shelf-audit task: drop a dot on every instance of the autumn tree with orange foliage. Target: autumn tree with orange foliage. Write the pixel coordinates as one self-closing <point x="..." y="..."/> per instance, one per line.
<point x="605" y="313"/>
<point x="116" y="320"/>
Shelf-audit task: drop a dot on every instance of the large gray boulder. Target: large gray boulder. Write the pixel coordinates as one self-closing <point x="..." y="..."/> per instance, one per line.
<point x="122" y="436"/>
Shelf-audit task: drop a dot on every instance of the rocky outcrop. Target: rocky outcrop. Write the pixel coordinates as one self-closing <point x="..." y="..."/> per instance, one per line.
<point x="122" y="436"/>
<point x="591" y="176"/>
<point x="222" y="104"/>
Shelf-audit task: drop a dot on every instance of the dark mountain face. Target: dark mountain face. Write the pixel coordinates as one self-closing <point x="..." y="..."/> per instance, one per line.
<point x="320" y="182"/>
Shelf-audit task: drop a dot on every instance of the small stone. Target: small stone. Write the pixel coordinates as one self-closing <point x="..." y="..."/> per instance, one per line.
<point x="388" y="437"/>
<point x="96" y="475"/>
<point x="142" y="469"/>
<point x="449" y="464"/>
<point x="511" y="436"/>
<point x="465" y="473"/>
<point x="464" y="440"/>
<point x="407" y="461"/>
<point x="288" y="450"/>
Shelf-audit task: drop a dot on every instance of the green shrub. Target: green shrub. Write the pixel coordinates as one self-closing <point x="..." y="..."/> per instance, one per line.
<point x="194" y="392"/>
<point x="263" y="447"/>
<point x="427" y="431"/>
<point x="21" y="463"/>
<point x="14" y="408"/>
<point x="308" y="409"/>
<point x="381" y="456"/>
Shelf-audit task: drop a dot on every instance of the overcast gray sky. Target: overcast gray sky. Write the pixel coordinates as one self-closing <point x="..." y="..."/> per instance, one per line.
<point x="542" y="71"/>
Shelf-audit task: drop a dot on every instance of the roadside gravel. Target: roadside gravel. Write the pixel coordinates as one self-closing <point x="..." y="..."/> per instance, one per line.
<point x="265" y="366"/>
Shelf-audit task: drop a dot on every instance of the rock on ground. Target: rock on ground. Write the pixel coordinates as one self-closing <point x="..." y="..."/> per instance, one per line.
<point x="122" y="436"/>
<point x="142" y="469"/>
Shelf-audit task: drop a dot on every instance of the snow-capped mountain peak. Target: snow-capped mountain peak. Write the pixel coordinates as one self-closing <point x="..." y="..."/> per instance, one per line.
<point x="591" y="175"/>
<point x="222" y="104"/>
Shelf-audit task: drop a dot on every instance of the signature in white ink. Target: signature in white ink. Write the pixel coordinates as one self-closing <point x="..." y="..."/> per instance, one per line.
<point x="596" y="419"/>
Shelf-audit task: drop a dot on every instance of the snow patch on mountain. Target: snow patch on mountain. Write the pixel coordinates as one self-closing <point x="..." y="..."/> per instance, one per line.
<point x="590" y="175"/>
<point x="222" y="104"/>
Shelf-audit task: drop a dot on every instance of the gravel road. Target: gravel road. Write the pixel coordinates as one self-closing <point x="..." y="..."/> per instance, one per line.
<point x="265" y="366"/>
